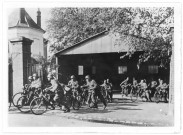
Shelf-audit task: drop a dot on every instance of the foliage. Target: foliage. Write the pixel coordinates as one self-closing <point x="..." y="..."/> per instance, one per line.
<point x="142" y="28"/>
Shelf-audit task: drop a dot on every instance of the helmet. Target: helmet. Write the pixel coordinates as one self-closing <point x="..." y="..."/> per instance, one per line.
<point x="87" y="77"/>
<point x="30" y="78"/>
<point x="50" y="76"/>
<point x="72" y="77"/>
<point x="35" y="75"/>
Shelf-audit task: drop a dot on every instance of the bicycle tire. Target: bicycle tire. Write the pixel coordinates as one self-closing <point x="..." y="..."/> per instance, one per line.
<point x="134" y="96"/>
<point x="156" y="98"/>
<point x="83" y="100"/>
<point x="15" y="98"/>
<point x="79" y="98"/>
<point x="68" y="101"/>
<point x="22" y="104"/>
<point x="75" y="104"/>
<point x="38" y="106"/>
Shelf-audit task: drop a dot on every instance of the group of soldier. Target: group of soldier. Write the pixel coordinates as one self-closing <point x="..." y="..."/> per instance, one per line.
<point x="149" y="89"/>
<point x="92" y="88"/>
<point x="94" y="91"/>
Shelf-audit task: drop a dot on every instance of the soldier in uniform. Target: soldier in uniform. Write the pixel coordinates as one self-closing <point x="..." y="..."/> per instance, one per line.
<point x="93" y="91"/>
<point x="109" y="89"/>
<point x="35" y="84"/>
<point x="59" y="93"/>
<point x="124" y="85"/>
<point x="73" y="84"/>
<point x="91" y="85"/>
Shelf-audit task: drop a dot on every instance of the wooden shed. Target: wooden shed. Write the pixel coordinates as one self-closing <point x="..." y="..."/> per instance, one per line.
<point x="98" y="57"/>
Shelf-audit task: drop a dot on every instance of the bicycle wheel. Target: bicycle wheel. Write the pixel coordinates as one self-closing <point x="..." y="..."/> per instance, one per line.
<point x="16" y="97"/>
<point x="68" y="101"/>
<point x="75" y="104"/>
<point x="83" y="99"/>
<point x="22" y="104"/>
<point x="157" y="97"/>
<point x="38" y="106"/>
<point x="134" y="96"/>
<point x="79" y="98"/>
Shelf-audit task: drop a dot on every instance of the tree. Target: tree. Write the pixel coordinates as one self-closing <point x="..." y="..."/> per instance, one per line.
<point x="142" y="28"/>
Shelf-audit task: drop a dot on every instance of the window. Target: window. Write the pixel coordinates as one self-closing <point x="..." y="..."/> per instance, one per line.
<point x="80" y="70"/>
<point x="93" y="70"/>
<point x="153" y="69"/>
<point x="122" y="69"/>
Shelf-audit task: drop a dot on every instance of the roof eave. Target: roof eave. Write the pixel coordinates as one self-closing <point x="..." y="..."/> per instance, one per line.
<point x="27" y="27"/>
<point x="85" y="40"/>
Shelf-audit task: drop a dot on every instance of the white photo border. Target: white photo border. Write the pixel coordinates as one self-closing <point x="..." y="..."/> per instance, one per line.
<point x="97" y="3"/>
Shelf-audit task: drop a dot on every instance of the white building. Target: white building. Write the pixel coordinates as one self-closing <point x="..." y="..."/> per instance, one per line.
<point x="21" y="24"/>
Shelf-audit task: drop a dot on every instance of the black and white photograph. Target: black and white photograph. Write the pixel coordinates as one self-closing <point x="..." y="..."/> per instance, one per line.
<point x="92" y="66"/>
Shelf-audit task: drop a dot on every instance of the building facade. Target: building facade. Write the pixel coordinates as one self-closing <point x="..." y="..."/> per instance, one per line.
<point x="99" y="57"/>
<point x="21" y="24"/>
<point x="25" y="47"/>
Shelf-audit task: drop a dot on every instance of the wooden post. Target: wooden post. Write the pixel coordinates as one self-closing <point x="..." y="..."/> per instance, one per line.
<point x="56" y="67"/>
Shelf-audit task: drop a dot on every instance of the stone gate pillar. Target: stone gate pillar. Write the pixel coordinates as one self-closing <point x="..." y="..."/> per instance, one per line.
<point x="21" y="56"/>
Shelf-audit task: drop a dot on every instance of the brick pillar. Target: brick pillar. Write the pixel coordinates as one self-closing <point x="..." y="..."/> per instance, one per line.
<point x="21" y="56"/>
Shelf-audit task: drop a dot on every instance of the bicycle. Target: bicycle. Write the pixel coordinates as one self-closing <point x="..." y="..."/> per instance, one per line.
<point x="105" y="92"/>
<point x="160" y="94"/>
<point x="23" y="103"/>
<point x="73" y="98"/>
<point x="137" y="93"/>
<point x="16" y="96"/>
<point x="84" y="95"/>
<point x="40" y="104"/>
<point x="126" y="89"/>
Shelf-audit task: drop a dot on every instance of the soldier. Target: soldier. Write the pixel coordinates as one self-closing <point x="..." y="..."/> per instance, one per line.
<point x="35" y="84"/>
<point x="124" y="85"/>
<point x="73" y="84"/>
<point x="125" y="82"/>
<point x="29" y="83"/>
<point x="59" y="93"/>
<point x="91" y="85"/>
<point x="109" y="89"/>
<point x="152" y="88"/>
<point x="30" y="79"/>
<point x="144" y="87"/>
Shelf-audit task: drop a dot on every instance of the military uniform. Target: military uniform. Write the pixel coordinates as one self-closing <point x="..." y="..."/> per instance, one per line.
<point x="56" y="88"/>
<point x="153" y="88"/>
<point x="109" y="90"/>
<point x="36" y="83"/>
<point x="91" y="85"/>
